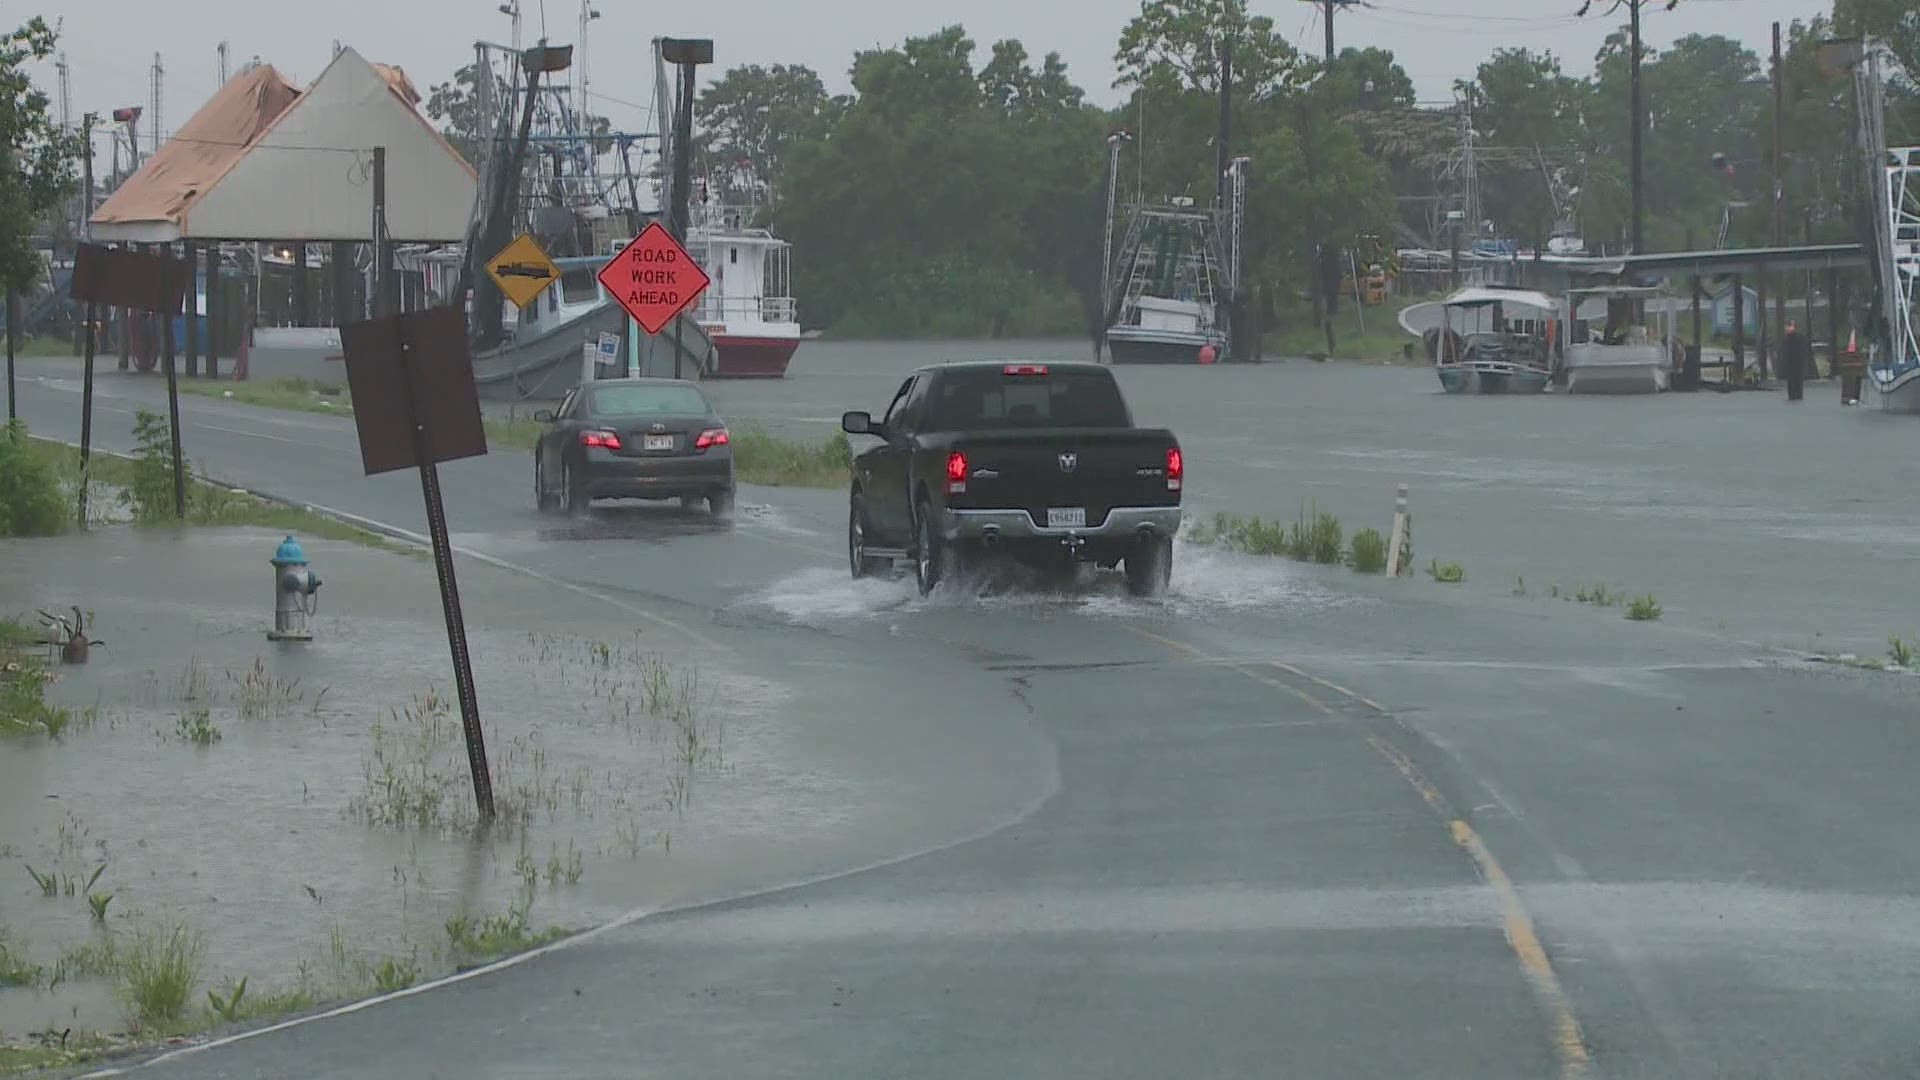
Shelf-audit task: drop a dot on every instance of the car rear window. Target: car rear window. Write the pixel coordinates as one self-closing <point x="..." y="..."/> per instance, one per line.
<point x="973" y="400"/>
<point x="648" y="401"/>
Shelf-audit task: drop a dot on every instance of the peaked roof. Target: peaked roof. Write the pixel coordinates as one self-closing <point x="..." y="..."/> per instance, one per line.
<point x="305" y="173"/>
<point x="201" y="152"/>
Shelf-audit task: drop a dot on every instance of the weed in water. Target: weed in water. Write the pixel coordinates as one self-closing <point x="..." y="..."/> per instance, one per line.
<point x="525" y="869"/>
<point x="49" y="882"/>
<point x="496" y="935"/>
<point x="1451" y="573"/>
<point x="1899" y="652"/>
<point x="227" y="1007"/>
<point x="394" y="973"/>
<point x="1643" y="608"/>
<point x="1315" y="536"/>
<point x="23" y="704"/>
<point x="566" y="870"/>
<point x="258" y="693"/>
<point x="159" y="972"/>
<point x="14" y="968"/>
<point x="98" y="957"/>
<point x="1519" y="586"/>
<point x="97" y="902"/>
<point x="1599" y="596"/>
<point x="1368" y="553"/>
<point x="196" y="726"/>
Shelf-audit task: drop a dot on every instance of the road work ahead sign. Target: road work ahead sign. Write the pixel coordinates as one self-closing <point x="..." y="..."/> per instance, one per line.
<point x="654" y="278"/>
<point x="522" y="270"/>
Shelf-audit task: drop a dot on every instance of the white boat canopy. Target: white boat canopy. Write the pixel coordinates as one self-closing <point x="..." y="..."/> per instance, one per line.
<point x="1478" y="296"/>
<point x="306" y="174"/>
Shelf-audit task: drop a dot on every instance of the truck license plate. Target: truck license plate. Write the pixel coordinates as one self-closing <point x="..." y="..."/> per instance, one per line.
<point x="1066" y="517"/>
<point x="657" y="442"/>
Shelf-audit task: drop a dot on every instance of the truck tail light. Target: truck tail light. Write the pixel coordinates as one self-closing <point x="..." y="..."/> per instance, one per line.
<point x="1176" y="468"/>
<point x="713" y="436"/>
<point x="1024" y="369"/>
<point x="956" y="473"/>
<point x="605" y="440"/>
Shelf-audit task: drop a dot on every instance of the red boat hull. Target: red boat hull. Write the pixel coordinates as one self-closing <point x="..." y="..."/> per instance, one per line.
<point x="751" y="357"/>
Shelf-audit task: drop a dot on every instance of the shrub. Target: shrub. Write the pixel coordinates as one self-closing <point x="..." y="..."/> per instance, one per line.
<point x="1450" y="573"/>
<point x="149" y="490"/>
<point x="30" y="503"/>
<point x="1369" y="552"/>
<point x="1643" y="608"/>
<point x="1315" y="537"/>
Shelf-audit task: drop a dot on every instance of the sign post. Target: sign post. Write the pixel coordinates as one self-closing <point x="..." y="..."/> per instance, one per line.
<point x="130" y="280"/>
<point x="654" y="279"/>
<point x="411" y="377"/>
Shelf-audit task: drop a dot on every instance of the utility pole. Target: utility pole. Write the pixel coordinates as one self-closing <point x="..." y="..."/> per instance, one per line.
<point x="1223" y="162"/>
<point x="1327" y="8"/>
<point x="382" y="307"/>
<point x="688" y="54"/>
<point x="1779" y="180"/>
<point x="1639" y="118"/>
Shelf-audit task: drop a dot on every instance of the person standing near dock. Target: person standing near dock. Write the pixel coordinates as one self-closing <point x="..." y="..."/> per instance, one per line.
<point x="1795" y="357"/>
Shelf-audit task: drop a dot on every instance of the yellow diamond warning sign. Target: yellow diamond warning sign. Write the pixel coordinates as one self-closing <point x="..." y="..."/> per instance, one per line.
<point x="522" y="271"/>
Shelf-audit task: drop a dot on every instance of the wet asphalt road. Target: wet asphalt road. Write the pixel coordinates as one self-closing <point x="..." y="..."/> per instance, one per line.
<point x="1351" y="829"/>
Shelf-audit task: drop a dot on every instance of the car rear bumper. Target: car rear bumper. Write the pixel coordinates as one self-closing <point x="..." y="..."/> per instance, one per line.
<point x="612" y="476"/>
<point x="1123" y="523"/>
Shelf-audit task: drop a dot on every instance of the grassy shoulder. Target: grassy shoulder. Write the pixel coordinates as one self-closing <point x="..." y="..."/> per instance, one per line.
<point x="304" y="395"/>
<point x="144" y="487"/>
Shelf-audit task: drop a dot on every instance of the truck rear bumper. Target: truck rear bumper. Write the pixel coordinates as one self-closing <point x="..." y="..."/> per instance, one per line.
<point x="1122" y="523"/>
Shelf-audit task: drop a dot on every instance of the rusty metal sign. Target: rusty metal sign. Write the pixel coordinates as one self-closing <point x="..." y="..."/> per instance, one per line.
<point x="131" y="279"/>
<point x="412" y="367"/>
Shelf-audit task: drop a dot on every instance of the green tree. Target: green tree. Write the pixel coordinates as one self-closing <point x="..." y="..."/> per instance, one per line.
<point x="1894" y="22"/>
<point x="455" y="106"/>
<point x="754" y="113"/>
<point x="37" y="159"/>
<point x="1366" y="79"/>
<point x="945" y="200"/>
<point x="1529" y="118"/>
<point x="1173" y="46"/>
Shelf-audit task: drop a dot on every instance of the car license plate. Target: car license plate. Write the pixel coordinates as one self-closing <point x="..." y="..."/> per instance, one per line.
<point x="656" y="442"/>
<point x="1066" y="517"/>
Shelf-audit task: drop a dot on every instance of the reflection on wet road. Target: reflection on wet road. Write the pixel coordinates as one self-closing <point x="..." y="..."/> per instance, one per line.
<point x="1210" y="865"/>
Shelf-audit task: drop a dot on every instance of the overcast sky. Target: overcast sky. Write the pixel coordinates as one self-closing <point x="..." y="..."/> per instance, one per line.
<point x="110" y="44"/>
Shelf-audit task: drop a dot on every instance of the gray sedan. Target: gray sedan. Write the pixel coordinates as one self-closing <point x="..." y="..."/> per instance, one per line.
<point x="633" y="439"/>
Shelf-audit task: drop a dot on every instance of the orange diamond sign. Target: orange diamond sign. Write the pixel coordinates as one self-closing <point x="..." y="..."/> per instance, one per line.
<point x="654" y="278"/>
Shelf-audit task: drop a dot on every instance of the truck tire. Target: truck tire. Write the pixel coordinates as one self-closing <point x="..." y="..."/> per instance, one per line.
<point x="1150" y="566"/>
<point x="862" y="564"/>
<point x="932" y="558"/>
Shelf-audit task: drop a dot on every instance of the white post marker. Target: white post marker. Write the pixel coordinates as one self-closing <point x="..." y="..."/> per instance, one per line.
<point x="1399" y="540"/>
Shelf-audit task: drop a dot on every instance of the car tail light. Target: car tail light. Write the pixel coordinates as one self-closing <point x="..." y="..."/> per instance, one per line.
<point x="605" y="440"/>
<point x="713" y="436"/>
<point x="1024" y="369"/>
<point x="1176" y="468"/>
<point x="956" y="473"/>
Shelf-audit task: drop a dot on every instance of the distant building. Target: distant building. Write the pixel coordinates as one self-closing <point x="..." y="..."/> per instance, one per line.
<point x="1722" y="307"/>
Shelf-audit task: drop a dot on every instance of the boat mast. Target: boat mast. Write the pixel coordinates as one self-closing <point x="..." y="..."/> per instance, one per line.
<point x="1108" y="278"/>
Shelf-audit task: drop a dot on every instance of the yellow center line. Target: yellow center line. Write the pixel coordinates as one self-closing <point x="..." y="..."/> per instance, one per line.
<point x="1569" y="1043"/>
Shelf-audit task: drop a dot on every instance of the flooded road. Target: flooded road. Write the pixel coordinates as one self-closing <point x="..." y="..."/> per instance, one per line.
<point x="1286" y="808"/>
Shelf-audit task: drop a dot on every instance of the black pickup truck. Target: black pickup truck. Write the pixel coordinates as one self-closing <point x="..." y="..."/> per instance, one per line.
<point x="1038" y="462"/>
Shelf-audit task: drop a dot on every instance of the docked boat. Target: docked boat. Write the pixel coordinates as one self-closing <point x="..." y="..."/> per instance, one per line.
<point x="1483" y="345"/>
<point x="1632" y="349"/>
<point x="1166" y="308"/>
<point x="748" y="311"/>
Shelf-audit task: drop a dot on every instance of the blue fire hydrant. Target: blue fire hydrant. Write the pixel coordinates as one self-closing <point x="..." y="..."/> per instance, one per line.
<point x="294" y="586"/>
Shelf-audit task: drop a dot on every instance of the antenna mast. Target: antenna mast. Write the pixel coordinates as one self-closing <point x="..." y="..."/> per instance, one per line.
<point x="153" y="121"/>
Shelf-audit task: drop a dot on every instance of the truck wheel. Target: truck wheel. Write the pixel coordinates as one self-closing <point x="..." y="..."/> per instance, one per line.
<point x="1150" y="566"/>
<point x="862" y="564"/>
<point x="932" y="559"/>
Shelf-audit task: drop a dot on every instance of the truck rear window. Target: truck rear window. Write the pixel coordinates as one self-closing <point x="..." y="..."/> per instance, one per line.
<point x="975" y="400"/>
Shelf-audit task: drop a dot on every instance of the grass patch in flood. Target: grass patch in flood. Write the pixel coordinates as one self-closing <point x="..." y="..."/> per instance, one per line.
<point x="159" y="973"/>
<point x="149" y="494"/>
<point x="481" y="939"/>
<point x="303" y="395"/>
<point x="775" y="461"/>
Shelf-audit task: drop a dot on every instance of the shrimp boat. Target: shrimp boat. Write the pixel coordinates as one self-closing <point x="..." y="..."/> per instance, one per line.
<point x="1483" y="347"/>
<point x="1166" y="310"/>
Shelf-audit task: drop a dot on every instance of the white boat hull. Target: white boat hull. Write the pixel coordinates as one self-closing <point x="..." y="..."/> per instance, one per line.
<point x="1900" y="394"/>
<point x="1618" y="379"/>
